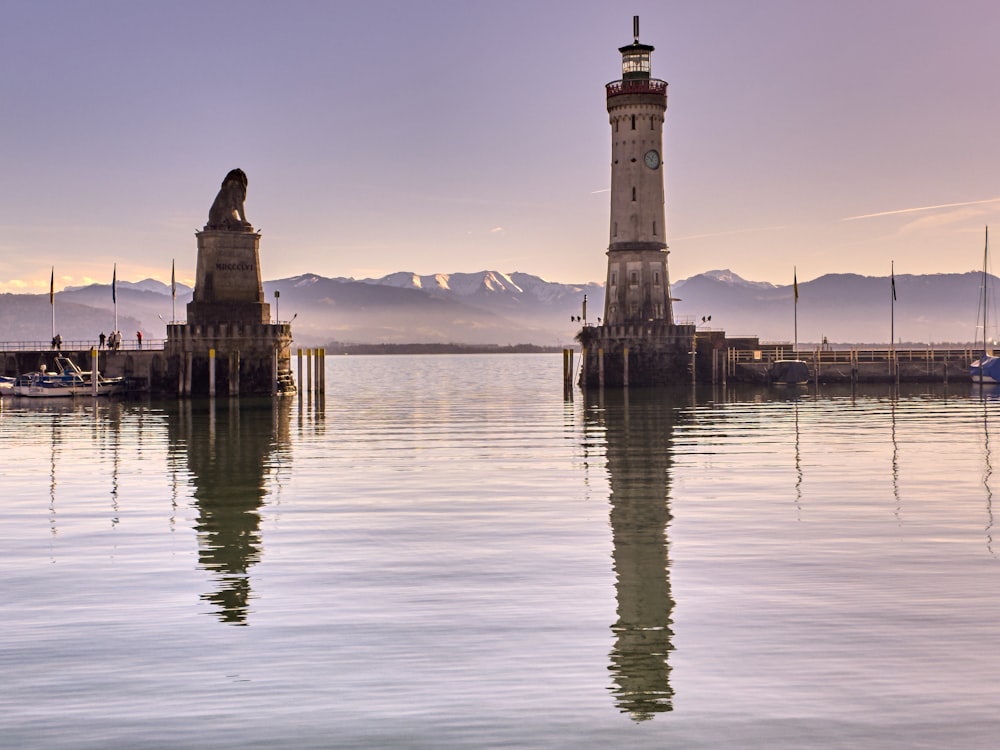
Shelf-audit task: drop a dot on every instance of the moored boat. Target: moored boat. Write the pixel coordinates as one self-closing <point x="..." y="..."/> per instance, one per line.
<point x="69" y="381"/>
<point x="986" y="369"/>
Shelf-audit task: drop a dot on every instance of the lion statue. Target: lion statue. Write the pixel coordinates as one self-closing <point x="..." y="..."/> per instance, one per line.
<point x="227" y="210"/>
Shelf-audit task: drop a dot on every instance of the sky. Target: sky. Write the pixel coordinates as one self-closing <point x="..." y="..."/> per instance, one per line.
<point x="442" y="137"/>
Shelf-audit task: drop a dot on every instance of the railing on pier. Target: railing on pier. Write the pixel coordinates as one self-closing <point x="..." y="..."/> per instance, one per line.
<point x="772" y="352"/>
<point x="77" y="346"/>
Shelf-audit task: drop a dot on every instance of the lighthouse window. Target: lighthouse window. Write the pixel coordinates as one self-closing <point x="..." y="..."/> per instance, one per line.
<point x="615" y="233"/>
<point x="633" y="193"/>
<point x="654" y="228"/>
<point x="633" y="122"/>
<point x="633" y="278"/>
<point x="614" y="278"/>
<point x="656" y="278"/>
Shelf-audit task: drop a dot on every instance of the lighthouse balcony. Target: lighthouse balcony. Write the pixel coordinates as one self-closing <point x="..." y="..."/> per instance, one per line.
<point x="636" y="86"/>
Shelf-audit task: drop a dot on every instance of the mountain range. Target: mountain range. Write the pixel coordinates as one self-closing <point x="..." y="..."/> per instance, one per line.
<point x="494" y="308"/>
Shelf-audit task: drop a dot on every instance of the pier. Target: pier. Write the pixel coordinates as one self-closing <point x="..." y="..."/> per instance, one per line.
<point x="852" y="365"/>
<point x="151" y="370"/>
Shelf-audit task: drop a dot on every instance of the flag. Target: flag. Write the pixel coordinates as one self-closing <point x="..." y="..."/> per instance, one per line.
<point x="114" y="283"/>
<point x="173" y="281"/>
<point x="795" y="284"/>
<point x="893" y="286"/>
<point x="52" y="286"/>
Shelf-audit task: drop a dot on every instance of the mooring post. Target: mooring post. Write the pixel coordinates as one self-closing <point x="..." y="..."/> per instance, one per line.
<point x="211" y="372"/>
<point x="322" y="367"/>
<point x="298" y="353"/>
<point x="600" y="368"/>
<point x="309" y="371"/>
<point x="95" y="374"/>
<point x="234" y="374"/>
<point x="694" y="351"/>
<point x="625" y="367"/>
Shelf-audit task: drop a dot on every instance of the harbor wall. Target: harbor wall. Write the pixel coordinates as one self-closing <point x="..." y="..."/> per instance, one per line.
<point x="858" y="366"/>
<point x="146" y="369"/>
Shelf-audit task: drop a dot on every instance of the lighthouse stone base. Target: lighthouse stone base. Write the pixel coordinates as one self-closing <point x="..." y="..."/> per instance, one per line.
<point x="654" y="353"/>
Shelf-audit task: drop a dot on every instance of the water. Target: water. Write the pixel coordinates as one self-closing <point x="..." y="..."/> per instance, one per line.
<point x="444" y="553"/>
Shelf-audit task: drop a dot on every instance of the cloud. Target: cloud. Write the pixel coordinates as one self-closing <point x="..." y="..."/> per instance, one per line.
<point x="603" y="190"/>
<point x="496" y="230"/>
<point x="921" y="208"/>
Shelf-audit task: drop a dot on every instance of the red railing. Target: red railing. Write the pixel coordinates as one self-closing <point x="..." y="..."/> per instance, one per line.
<point x="637" y="86"/>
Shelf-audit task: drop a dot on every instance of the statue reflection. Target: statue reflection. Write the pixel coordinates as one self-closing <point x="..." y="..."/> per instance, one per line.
<point x="639" y="427"/>
<point x="232" y="448"/>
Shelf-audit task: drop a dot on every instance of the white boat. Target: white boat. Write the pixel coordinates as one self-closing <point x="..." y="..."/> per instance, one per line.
<point x="986" y="369"/>
<point x="69" y="381"/>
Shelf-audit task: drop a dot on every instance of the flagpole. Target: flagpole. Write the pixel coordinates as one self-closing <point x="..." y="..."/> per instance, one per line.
<point x="892" y="308"/>
<point x="173" y="293"/>
<point x="114" y="292"/>
<point x="52" y="298"/>
<point x="795" y="290"/>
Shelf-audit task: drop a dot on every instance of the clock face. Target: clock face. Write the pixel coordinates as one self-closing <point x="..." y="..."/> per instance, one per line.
<point x="652" y="159"/>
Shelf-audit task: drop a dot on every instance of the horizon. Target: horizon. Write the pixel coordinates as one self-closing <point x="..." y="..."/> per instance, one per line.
<point x="782" y="150"/>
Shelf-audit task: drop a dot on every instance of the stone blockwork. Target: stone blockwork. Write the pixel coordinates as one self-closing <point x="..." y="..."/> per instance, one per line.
<point x="650" y="354"/>
<point x="228" y="283"/>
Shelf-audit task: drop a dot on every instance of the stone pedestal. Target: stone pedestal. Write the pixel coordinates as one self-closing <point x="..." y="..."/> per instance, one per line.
<point x="228" y="286"/>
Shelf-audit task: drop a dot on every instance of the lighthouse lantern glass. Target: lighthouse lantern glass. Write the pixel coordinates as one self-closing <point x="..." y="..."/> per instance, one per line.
<point x="635" y="62"/>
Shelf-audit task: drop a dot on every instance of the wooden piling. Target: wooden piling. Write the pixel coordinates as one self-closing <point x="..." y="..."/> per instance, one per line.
<point x="322" y="370"/>
<point x="211" y="373"/>
<point x="299" y="380"/>
<point x="234" y="374"/>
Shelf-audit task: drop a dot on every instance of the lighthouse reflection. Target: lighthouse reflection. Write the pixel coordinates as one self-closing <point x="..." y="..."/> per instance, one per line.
<point x="233" y="448"/>
<point x="638" y="428"/>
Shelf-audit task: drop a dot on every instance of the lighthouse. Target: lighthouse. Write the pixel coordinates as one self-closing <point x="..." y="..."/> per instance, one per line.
<point x="637" y="287"/>
<point x="638" y="343"/>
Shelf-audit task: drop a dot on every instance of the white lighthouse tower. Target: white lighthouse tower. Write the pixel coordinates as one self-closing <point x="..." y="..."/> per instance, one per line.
<point x="638" y="286"/>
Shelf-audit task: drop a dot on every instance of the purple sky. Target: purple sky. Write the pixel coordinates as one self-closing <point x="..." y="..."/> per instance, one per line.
<point x="440" y="137"/>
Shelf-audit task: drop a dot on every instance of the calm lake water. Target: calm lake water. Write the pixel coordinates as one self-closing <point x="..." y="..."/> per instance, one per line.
<point x="444" y="553"/>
